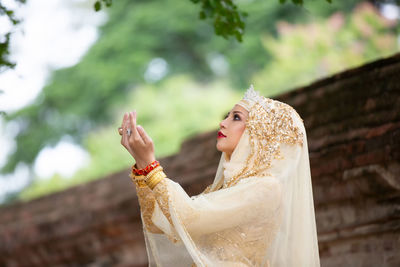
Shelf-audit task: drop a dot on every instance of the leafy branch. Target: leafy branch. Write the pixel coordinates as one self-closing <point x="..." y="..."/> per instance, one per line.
<point x="228" y="20"/>
<point x="5" y="63"/>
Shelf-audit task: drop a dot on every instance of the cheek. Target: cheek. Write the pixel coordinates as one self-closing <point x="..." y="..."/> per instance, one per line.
<point x="239" y="131"/>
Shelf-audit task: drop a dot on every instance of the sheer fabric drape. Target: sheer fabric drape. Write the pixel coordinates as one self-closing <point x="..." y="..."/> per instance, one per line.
<point x="263" y="218"/>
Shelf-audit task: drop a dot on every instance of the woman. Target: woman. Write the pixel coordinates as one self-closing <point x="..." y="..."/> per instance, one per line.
<point x="259" y="210"/>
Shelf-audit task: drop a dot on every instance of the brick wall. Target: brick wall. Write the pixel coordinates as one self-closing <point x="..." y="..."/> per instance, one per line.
<point x="353" y="127"/>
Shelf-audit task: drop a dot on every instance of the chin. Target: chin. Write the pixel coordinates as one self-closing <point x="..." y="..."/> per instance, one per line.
<point x="219" y="147"/>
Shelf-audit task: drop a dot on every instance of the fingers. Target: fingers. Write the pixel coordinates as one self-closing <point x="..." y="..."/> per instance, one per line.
<point x="124" y="139"/>
<point x="132" y="125"/>
<point x="136" y="137"/>
<point x="138" y="144"/>
<point x="128" y="123"/>
<point x="145" y="137"/>
<point x="123" y="120"/>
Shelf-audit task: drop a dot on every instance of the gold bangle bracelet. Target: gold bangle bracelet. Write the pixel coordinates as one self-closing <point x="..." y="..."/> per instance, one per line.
<point x="154" y="178"/>
<point x="150" y="174"/>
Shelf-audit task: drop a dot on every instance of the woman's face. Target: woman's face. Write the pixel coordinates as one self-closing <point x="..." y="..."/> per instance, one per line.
<point x="231" y="129"/>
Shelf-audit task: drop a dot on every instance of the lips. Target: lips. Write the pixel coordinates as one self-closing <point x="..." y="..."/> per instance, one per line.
<point x="221" y="135"/>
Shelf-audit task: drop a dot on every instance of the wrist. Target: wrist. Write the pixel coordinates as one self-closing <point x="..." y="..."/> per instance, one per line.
<point x="149" y="176"/>
<point x="137" y="170"/>
<point x="141" y="164"/>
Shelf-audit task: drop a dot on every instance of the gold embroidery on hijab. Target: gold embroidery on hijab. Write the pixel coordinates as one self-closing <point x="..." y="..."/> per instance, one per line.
<point x="269" y="127"/>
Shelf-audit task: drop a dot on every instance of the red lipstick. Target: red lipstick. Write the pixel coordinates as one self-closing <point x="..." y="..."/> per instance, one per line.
<point x="221" y="135"/>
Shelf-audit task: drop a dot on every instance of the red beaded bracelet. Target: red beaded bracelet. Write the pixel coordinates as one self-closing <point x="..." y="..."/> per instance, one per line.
<point x="145" y="170"/>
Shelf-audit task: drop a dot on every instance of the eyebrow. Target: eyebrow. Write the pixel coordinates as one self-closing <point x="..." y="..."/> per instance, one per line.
<point x="234" y="112"/>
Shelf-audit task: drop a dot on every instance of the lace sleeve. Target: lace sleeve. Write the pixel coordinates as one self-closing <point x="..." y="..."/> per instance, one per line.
<point x="147" y="203"/>
<point x="251" y="200"/>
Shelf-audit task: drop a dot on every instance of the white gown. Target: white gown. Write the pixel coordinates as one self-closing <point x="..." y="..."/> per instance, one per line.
<point x="259" y="210"/>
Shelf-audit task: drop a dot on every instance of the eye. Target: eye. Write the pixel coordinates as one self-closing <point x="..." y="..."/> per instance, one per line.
<point x="226" y="116"/>
<point x="236" y="117"/>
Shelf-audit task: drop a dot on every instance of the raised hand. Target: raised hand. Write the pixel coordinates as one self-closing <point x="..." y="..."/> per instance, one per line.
<point x="136" y="140"/>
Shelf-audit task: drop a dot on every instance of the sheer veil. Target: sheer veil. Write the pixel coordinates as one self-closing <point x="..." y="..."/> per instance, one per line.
<point x="259" y="210"/>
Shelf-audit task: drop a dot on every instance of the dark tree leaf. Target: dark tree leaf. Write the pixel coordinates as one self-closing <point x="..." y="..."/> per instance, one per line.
<point x="97" y="6"/>
<point x="108" y="2"/>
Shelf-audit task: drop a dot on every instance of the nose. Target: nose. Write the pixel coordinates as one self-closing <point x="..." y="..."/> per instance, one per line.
<point x="222" y="124"/>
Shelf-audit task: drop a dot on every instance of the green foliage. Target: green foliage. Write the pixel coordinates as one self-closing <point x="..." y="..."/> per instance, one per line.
<point x="5" y="63"/>
<point x="4" y="52"/>
<point x="168" y="123"/>
<point x="305" y="52"/>
<point x="98" y="4"/>
<point x="85" y="101"/>
<point x="228" y="20"/>
<point x="297" y="2"/>
<point x="80" y="98"/>
<point x="43" y="187"/>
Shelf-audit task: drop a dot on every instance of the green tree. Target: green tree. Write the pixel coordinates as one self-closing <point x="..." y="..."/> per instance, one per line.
<point x="85" y="101"/>
<point x="80" y="98"/>
<point x="324" y="47"/>
<point x="227" y="19"/>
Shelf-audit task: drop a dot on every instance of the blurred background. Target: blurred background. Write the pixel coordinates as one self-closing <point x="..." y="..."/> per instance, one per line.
<point x="77" y="71"/>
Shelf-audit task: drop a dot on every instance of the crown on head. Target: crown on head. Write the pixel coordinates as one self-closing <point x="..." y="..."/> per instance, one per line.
<point x="251" y="97"/>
